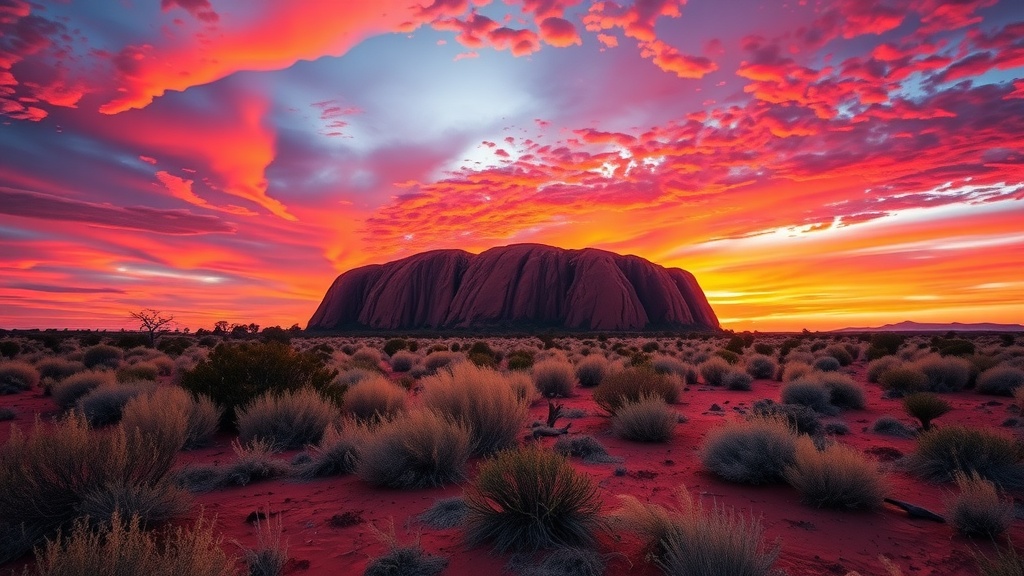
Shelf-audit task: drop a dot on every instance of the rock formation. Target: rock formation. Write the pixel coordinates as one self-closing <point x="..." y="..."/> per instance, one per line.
<point x="518" y="286"/>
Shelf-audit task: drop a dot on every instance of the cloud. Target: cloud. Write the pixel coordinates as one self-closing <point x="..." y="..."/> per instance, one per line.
<point x="559" y="32"/>
<point x="27" y="204"/>
<point x="200" y="9"/>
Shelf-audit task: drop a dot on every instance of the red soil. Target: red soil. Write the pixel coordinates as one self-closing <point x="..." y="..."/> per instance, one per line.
<point x="814" y="542"/>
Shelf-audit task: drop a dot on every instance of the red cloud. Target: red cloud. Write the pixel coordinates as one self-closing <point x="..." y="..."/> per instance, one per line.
<point x="559" y="32"/>
<point x="200" y="9"/>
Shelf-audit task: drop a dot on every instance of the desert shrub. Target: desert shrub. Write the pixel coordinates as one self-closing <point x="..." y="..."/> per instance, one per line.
<point x="58" y="368"/>
<point x="1000" y="380"/>
<point x="403" y="361"/>
<point x="172" y="407"/>
<point x="367" y="357"/>
<point x="764" y="348"/>
<point x="941" y="452"/>
<point x="102" y="355"/>
<point x="591" y="370"/>
<point x="630" y="385"/>
<point x="486" y="402"/>
<point x="669" y="365"/>
<point x="435" y="361"/>
<point x="67" y="392"/>
<point x="270" y="555"/>
<point x="729" y="356"/>
<point x="795" y="370"/>
<point x="837" y="477"/>
<point x="955" y="347"/>
<point x="738" y="380"/>
<point x="887" y="341"/>
<point x="445" y="513"/>
<point x="127" y="548"/>
<point x="843" y="391"/>
<point x="554" y="378"/>
<point x="237" y="373"/>
<point x="400" y="560"/>
<point x="810" y="393"/>
<point x="713" y="371"/>
<point x="151" y="504"/>
<point x="46" y="475"/>
<point x="761" y="367"/>
<point x="352" y="376"/>
<point x="17" y="377"/>
<point x="287" y="420"/>
<point x="736" y="344"/>
<point x="826" y="364"/>
<point x="1007" y="562"/>
<point x="754" y="451"/>
<point x="648" y="419"/>
<point x="694" y="540"/>
<point x="520" y="360"/>
<point x="890" y="426"/>
<point x="7" y="414"/>
<point x="945" y="374"/>
<point x="103" y="405"/>
<point x="880" y="366"/>
<point x="415" y="450"/>
<point x="254" y="462"/>
<point x="978" y="509"/>
<point x="925" y="407"/>
<point x="566" y="562"/>
<point x="374" y="398"/>
<point x="530" y="498"/>
<point x="902" y="380"/>
<point x="9" y="348"/>
<point x="336" y="454"/>
<point x="800" y="418"/>
<point x="837" y="428"/>
<point x="394" y="345"/>
<point x="840" y="353"/>
<point x="585" y="447"/>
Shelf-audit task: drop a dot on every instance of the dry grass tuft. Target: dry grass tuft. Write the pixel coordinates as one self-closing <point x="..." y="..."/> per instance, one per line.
<point x="632" y="384"/>
<point x="978" y="510"/>
<point x="375" y="398"/>
<point x="754" y="451"/>
<point x="415" y="450"/>
<point x="942" y="452"/>
<point x="173" y="407"/>
<point x="837" y="477"/>
<point x="648" y="419"/>
<point x="554" y="378"/>
<point x="286" y="420"/>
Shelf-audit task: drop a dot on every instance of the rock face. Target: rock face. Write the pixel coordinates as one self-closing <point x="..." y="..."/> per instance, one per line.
<point x="523" y="285"/>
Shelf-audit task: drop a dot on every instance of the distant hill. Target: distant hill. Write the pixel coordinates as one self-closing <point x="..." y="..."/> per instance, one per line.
<point x="908" y="326"/>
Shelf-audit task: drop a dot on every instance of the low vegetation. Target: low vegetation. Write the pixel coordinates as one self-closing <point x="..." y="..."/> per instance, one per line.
<point x="978" y="509"/>
<point x="943" y="452"/>
<point x="630" y="385"/>
<point x="417" y="449"/>
<point x="754" y="451"/>
<point x="375" y="398"/>
<point x="837" y="477"/>
<point x="529" y="498"/>
<point x="286" y="420"/>
<point x="648" y="419"/>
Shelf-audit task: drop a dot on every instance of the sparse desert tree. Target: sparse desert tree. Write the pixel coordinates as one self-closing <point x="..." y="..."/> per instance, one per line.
<point x="530" y="498"/>
<point x="152" y="321"/>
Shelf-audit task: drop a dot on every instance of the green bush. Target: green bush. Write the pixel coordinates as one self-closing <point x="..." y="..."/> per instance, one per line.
<point x="837" y="477"/>
<point x="103" y="406"/>
<point x="394" y="345"/>
<point x="417" y="449"/>
<point x="529" y="498"/>
<point x="58" y="368"/>
<point x="520" y="360"/>
<point x="648" y="419"/>
<point x="880" y="366"/>
<point x="808" y="392"/>
<point x="755" y="451"/>
<point x="955" y="347"/>
<point x="632" y="384"/>
<point x="840" y="353"/>
<point x="67" y="392"/>
<point x="942" y="452"/>
<point x="945" y="374"/>
<point x="843" y="391"/>
<point x="887" y="341"/>
<point x="925" y="407"/>
<point x="136" y="372"/>
<point x="237" y="373"/>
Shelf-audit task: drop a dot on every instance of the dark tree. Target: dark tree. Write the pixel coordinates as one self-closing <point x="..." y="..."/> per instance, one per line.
<point x="152" y="321"/>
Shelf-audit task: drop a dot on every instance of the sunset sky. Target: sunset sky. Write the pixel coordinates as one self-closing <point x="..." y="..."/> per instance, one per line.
<point x="815" y="164"/>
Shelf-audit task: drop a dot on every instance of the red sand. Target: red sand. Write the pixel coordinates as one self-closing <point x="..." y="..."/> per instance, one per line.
<point x="814" y="542"/>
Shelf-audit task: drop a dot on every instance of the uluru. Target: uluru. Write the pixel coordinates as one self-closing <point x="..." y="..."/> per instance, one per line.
<point x="516" y="286"/>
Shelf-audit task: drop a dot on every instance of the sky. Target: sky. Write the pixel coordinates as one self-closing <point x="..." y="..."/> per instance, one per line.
<point x="815" y="164"/>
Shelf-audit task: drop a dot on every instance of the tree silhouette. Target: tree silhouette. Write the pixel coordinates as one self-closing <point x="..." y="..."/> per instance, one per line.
<point x="151" y="321"/>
